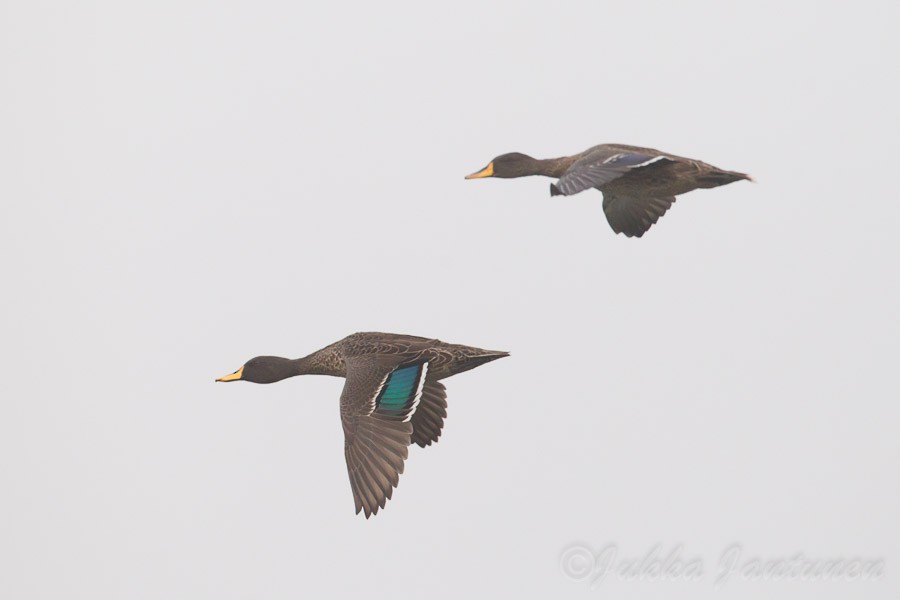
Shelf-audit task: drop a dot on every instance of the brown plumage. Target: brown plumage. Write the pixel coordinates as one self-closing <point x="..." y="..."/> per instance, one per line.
<point x="638" y="184"/>
<point x="392" y="397"/>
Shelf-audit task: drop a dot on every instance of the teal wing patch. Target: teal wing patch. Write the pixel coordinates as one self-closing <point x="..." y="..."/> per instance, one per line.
<point x="401" y="391"/>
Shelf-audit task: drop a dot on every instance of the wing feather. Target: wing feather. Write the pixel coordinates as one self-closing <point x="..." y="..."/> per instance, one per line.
<point x="428" y="420"/>
<point x="379" y="399"/>
<point x="594" y="171"/>
<point x="634" y="215"/>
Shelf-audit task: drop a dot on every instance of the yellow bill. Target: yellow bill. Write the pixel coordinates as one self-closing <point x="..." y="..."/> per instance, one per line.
<point x="488" y="171"/>
<point x="233" y="377"/>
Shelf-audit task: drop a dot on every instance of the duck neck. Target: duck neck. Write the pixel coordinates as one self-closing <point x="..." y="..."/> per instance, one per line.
<point x="317" y="363"/>
<point x="551" y="167"/>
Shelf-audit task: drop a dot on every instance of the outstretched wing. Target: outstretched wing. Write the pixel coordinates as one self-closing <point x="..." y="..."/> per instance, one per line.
<point x="634" y="215"/>
<point x="428" y="420"/>
<point x="593" y="171"/>
<point x="379" y="398"/>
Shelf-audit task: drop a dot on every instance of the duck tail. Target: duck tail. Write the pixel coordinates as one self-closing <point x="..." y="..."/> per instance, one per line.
<point x="719" y="177"/>
<point x="476" y="360"/>
<point x="554" y="191"/>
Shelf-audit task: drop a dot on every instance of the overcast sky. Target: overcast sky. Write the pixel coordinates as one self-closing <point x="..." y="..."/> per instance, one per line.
<point x="186" y="185"/>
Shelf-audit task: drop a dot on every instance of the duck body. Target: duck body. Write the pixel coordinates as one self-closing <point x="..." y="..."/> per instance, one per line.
<point x="444" y="359"/>
<point x="638" y="184"/>
<point x="392" y="398"/>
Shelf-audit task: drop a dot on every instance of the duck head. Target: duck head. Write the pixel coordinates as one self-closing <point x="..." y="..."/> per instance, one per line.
<point x="507" y="166"/>
<point x="263" y="369"/>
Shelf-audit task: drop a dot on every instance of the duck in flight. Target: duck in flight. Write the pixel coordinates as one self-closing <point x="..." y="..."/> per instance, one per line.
<point x="638" y="184"/>
<point x="392" y="397"/>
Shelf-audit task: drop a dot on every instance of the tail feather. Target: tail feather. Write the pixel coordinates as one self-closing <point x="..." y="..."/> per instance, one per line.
<point x="470" y="362"/>
<point x="717" y="178"/>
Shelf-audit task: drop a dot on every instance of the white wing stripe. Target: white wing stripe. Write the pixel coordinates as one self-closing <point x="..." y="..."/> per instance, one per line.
<point x="419" y="388"/>
<point x="649" y="162"/>
<point x="371" y="403"/>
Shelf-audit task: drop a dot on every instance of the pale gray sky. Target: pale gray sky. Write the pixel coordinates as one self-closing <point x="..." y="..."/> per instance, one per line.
<point x="189" y="184"/>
